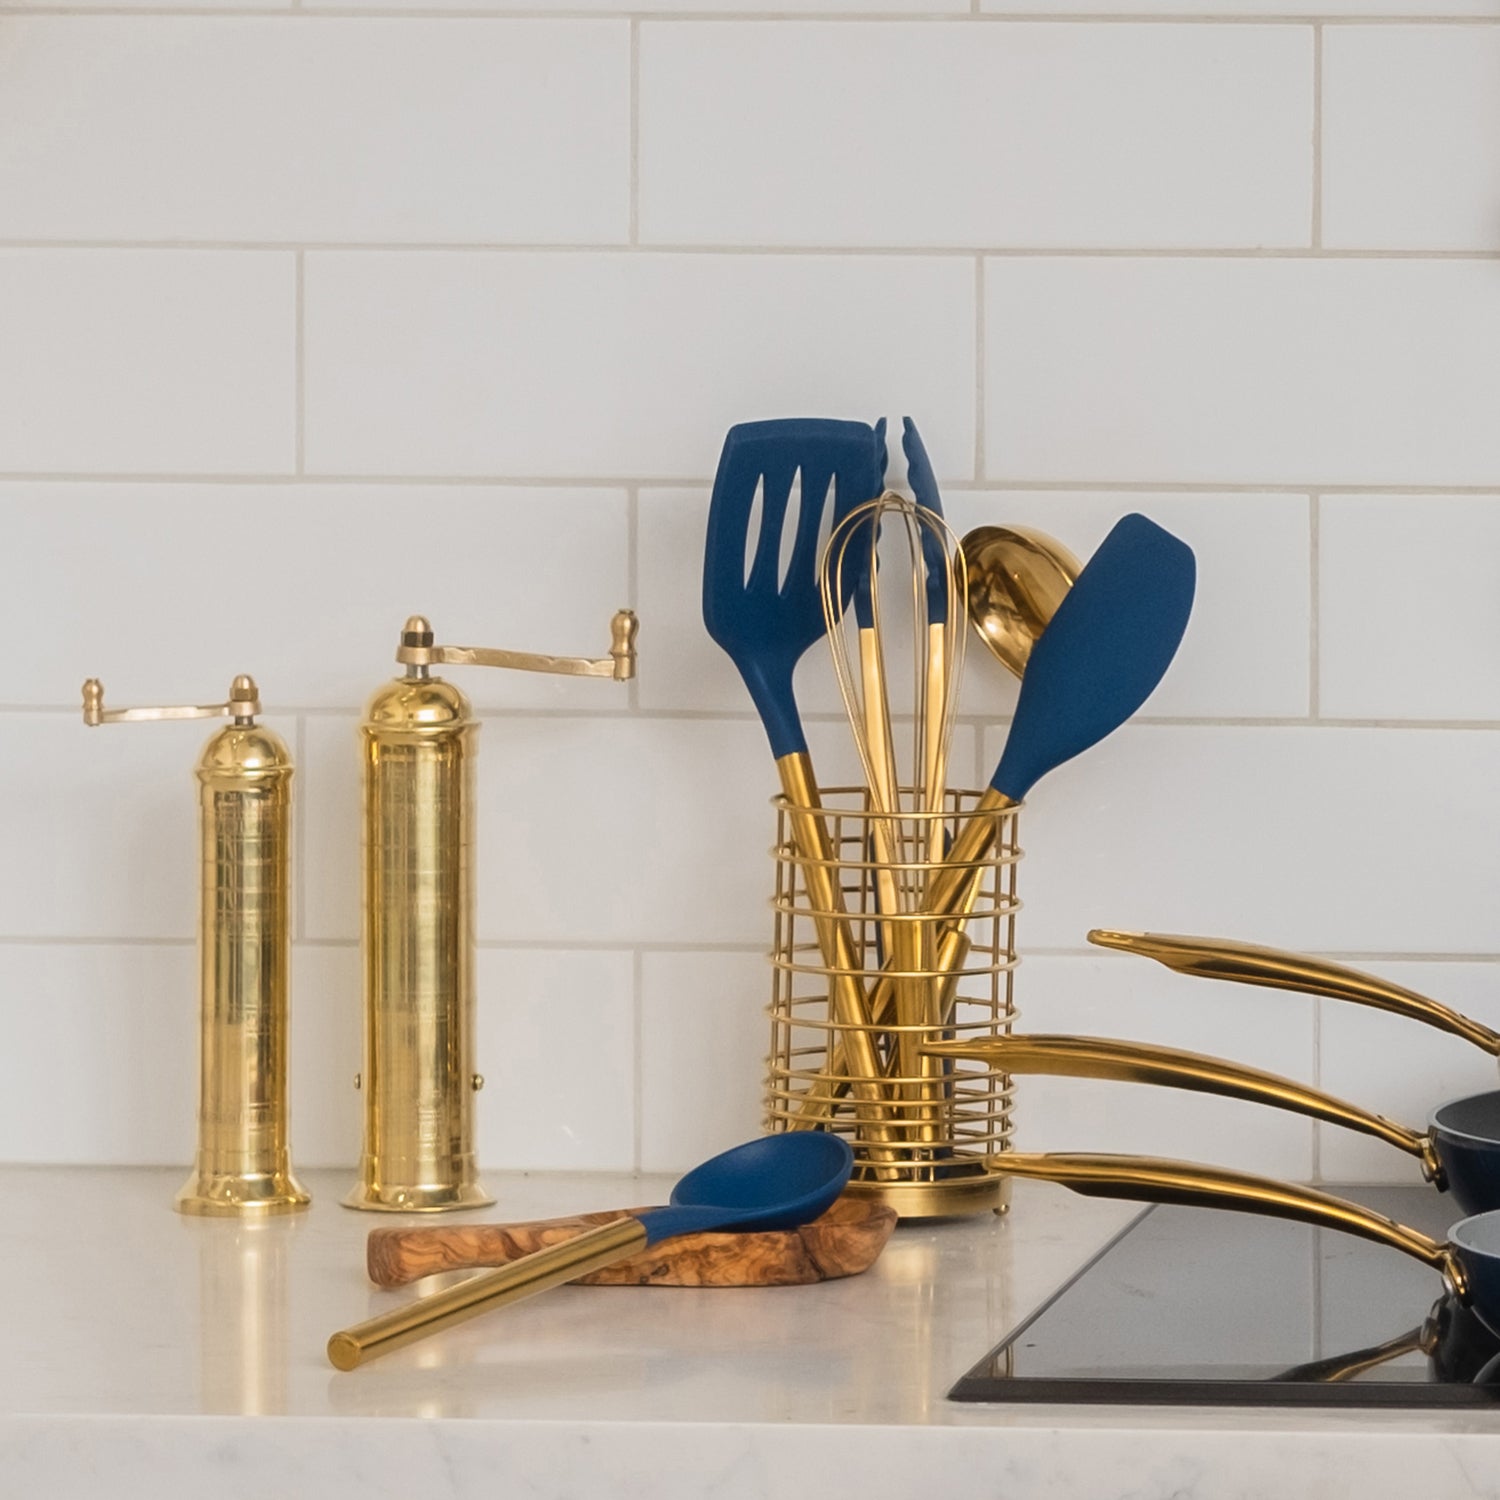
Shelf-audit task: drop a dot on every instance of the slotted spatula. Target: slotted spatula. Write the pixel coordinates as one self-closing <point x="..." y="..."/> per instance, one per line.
<point x="765" y="617"/>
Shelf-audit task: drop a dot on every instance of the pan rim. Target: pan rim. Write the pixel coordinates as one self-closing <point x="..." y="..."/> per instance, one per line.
<point x="1436" y="1126"/>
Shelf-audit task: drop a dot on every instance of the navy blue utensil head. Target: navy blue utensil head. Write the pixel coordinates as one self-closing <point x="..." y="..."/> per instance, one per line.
<point x="766" y="616"/>
<point x="774" y="1182"/>
<point x="924" y="489"/>
<point x="1102" y="654"/>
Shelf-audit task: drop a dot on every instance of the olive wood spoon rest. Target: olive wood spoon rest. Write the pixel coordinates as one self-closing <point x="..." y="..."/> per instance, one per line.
<point x="844" y="1242"/>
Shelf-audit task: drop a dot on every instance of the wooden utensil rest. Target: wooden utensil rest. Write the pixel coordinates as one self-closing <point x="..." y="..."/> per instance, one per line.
<point x="844" y="1242"/>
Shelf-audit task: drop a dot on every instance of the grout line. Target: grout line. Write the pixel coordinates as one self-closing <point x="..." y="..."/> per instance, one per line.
<point x="299" y="842"/>
<point x="1317" y="140"/>
<point x="1315" y="609"/>
<point x="296" y="10"/>
<point x="743" y="250"/>
<point x="605" y="482"/>
<point x="1317" y="1061"/>
<point x="638" y="1067"/>
<point x="299" y="383"/>
<point x="686" y="945"/>
<point x="979" y="358"/>
<point x="980" y="721"/>
<point x="633" y="580"/>
<point x="635" y="132"/>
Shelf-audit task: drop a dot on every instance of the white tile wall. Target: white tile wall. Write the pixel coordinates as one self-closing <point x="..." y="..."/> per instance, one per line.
<point x="390" y="130"/>
<point x="314" y="316"/>
<point x="1412" y="141"/>
<point x="1209" y="138"/>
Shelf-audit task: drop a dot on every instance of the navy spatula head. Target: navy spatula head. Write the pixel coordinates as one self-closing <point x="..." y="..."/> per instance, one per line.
<point x="924" y="490"/>
<point x="1102" y="654"/>
<point x="761" y="600"/>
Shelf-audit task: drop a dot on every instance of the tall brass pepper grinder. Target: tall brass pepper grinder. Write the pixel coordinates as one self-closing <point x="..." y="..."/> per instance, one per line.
<point x="243" y="1164"/>
<point x="418" y="747"/>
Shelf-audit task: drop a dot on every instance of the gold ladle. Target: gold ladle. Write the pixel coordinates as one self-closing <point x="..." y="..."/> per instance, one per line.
<point x="1017" y="578"/>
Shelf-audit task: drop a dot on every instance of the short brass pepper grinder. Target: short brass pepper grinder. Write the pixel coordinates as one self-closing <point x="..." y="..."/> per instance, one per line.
<point x="418" y="747"/>
<point x="243" y="1163"/>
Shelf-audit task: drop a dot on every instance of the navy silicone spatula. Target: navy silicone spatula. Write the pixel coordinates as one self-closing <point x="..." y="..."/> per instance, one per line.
<point x="1102" y="655"/>
<point x="762" y="602"/>
<point x="775" y="1182"/>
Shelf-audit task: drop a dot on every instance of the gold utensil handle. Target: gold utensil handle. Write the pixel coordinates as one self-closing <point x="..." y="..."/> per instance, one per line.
<point x="1132" y="1062"/>
<point x="1154" y="1179"/>
<point x="1340" y="1367"/>
<point x="856" y="1035"/>
<point x="1248" y="963"/>
<point x="534" y="1273"/>
<point x="951" y="893"/>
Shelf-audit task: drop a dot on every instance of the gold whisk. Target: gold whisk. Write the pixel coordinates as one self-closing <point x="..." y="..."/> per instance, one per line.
<point x="906" y="791"/>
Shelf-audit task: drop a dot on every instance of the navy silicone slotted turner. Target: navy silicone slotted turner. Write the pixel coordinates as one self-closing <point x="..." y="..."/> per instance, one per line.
<point x="765" y="617"/>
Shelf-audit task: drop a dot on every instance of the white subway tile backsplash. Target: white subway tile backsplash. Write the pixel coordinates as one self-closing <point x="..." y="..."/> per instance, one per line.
<point x="1204" y="135"/>
<point x="555" y="1041"/>
<point x="103" y="1053"/>
<point x="391" y="130"/>
<point x="334" y="572"/>
<point x="1406" y="603"/>
<point x="1400" y="1068"/>
<point x="312" y="321"/>
<point x="639" y="831"/>
<point x="1139" y="1001"/>
<point x="326" y="1051"/>
<point x="1326" y="839"/>
<point x="1248" y="547"/>
<point x="101" y="830"/>
<point x="129" y="361"/>
<point x="704" y="1038"/>
<point x="1242" y="370"/>
<point x="603" y="365"/>
<point x="1411" y="137"/>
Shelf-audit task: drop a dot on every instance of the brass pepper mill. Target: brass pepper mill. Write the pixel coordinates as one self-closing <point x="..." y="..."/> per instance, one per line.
<point x="244" y="775"/>
<point x="418" y="747"/>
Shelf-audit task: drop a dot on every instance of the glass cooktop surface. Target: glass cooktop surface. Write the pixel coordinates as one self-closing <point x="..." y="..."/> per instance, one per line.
<point x="1202" y="1307"/>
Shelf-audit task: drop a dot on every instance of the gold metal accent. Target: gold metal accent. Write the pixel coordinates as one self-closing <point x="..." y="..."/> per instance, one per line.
<point x="418" y="745"/>
<point x="415" y="651"/>
<point x="1016" y="579"/>
<point x="925" y="1150"/>
<point x="1132" y="1062"/>
<point x="243" y="1163"/>
<point x="933" y="569"/>
<point x="1154" y="1179"/>
<point x="1248" y="963"/>
<point x="589" y="1251"/>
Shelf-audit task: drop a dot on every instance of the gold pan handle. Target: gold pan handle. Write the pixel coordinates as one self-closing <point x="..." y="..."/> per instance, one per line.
<point x="1154" y="1179"/>
<point x="1248" y="963"/>
<point x="1168" y="1067"/>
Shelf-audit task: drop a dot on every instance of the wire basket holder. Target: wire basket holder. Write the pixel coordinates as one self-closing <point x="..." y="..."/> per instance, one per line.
<point x="923" y="1129"/>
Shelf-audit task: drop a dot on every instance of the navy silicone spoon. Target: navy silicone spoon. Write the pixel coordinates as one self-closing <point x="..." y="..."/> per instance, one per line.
<point x="775" y="1182"/>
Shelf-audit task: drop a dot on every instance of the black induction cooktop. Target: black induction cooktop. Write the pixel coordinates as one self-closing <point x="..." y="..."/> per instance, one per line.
<point x="1199" y="1307"/>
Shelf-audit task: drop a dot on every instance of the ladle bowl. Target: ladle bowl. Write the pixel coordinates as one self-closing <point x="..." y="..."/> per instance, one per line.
<point x="1016" y="579"/>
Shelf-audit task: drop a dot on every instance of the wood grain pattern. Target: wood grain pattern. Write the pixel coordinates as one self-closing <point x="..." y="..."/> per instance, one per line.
<point x="844" y="1242"/>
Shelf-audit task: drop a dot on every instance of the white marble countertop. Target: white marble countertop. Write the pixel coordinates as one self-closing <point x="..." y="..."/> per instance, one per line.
<point x="137" y="1343"/>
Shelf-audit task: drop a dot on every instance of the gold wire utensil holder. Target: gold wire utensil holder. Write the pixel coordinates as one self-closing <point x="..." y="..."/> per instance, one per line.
<point x="924" y="1153"/>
